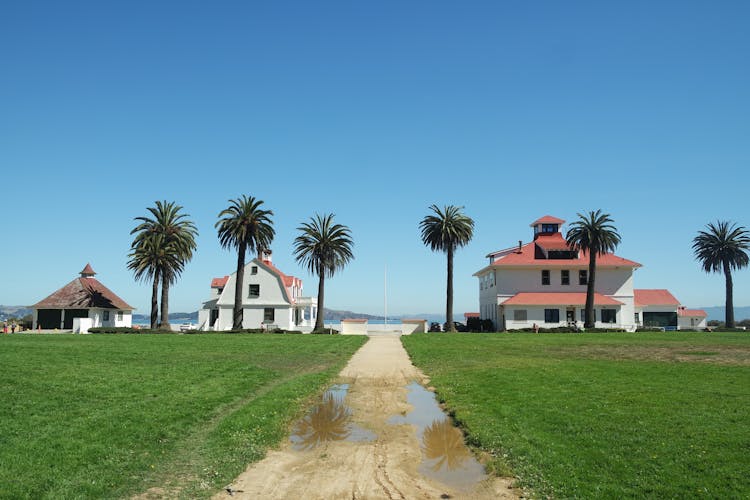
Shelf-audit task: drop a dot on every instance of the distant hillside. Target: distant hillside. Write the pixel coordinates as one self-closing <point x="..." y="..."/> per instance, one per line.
<point x="336" y="315"/>
<point x="717" y="313"/>
<point x="14" y="312"/>
<point x="173" y="317"/>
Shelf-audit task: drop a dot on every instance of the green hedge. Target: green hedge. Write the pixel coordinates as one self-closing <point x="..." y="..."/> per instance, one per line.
<point x="123" y="329"/>
<point x="120" y="329"/>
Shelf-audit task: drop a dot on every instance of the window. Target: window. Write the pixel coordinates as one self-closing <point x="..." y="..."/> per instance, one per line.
<point x="565" y="277"/>
<point x="105" y="316"/>
<point x="119" y="315"/>
<point x="254" y="270"/>
<point x="552" y="315"/>
<point x="637" y="318"/>
<point x="583" y="315"/>
<point x="583" y="277"/>
<point x="254" y="291"/>
<point x="519" y="315"/>
<point x="268" y="314"/>
<point x="549" y="228"/>
<point x="609" y="315"/>
<point x="545" y="276"/>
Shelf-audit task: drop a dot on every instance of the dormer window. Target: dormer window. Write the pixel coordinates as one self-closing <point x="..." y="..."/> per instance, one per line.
<point x="549" y="228"/>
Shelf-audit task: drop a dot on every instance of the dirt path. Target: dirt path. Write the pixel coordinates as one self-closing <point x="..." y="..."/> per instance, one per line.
<point x="386" y="466"/>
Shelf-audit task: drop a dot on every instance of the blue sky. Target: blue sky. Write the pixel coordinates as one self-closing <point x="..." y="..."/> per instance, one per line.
<point x="373" y="111"/>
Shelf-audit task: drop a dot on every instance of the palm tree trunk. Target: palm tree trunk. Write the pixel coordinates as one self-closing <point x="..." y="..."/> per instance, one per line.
<point x="449" y="293"/>
<point x="729" y="305"/>
<point x="590" y="290"/>
<point x="154" y="300"/>
<point x="321" y="293"/>
<point x="239" y="278"/>
<point x="164" y="324"/>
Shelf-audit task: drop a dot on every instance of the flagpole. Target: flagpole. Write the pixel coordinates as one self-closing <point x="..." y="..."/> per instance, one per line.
<point x="385" y="296"/>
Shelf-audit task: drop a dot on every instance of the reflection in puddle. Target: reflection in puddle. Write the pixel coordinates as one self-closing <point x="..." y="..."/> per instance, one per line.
<point x="329" y="420"/>
<point x="445" y="456"/>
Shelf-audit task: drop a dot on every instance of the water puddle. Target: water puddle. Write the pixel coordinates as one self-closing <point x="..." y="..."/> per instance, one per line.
<point x="329" y="420"/>
<point x="445" y="457"/>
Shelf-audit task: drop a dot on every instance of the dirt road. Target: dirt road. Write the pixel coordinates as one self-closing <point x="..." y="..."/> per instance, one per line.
<point x="380" y="456"/>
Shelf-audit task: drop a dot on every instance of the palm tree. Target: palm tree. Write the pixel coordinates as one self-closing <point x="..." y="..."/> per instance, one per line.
<point x="446" y="230"/>
<point x="147" y="259"/>
<point x="723" y="248"/>
<point x="324" y="248"/>
<point x="178" y="235"/>
<point x="244" y="225"/>
<point x="595" y="235"/>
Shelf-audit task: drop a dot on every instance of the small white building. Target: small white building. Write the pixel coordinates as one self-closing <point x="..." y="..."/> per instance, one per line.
<point x="543" y="283"/>
<point x="85" y="301"/>
<point x="270" y="299"/>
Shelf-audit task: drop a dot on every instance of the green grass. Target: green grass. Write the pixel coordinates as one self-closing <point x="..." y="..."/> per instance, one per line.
<point x="602" y="415"/>
<point x="113" y="415"/>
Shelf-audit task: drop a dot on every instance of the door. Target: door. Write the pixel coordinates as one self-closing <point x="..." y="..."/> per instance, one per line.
<point x="570" y="316"/>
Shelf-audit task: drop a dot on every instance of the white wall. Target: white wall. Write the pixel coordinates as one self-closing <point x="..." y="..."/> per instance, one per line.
<point x="271" y="288"/>
<point x="353" y="327"/>
<point x="688" y="322"/>
<point x="503" y="283"/>
<point x="535" y="315"/>
<point x="608" y="281"/>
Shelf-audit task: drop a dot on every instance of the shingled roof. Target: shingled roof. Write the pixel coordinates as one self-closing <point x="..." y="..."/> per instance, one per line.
<point x="82" y="293"/>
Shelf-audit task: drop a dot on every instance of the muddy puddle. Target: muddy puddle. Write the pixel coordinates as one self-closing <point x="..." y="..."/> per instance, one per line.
<point x="329" y="420"/>
<point x="445" y="457"/>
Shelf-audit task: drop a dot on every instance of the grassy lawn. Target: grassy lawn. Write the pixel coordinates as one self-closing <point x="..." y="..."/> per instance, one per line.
<point x="662" y="415"/>
<point x="113" y="415"/>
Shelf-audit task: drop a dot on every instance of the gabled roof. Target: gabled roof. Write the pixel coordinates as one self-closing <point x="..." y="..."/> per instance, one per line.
<point x="528" y="256"/>
<point x="286" y="281"/>
<point x="547" y="219"/>
<point x="558" y="299"/>
<point x="83" y="293"/>
<point x="219" y="282"/>
<point x="654" y="297"/>
<point x="691" y="313"/>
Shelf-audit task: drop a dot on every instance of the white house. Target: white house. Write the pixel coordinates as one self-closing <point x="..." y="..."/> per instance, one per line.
<point x="85" y="302"/>
<point x="270" y="299"/>
<point x="544" y="282"/>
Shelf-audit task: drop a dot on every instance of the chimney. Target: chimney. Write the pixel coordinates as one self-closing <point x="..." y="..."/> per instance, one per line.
<point x="520" y="244"/>
<point x="265" y="256"/>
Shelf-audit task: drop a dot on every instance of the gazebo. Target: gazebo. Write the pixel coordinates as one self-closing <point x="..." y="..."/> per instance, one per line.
<point x="84" y="297"/>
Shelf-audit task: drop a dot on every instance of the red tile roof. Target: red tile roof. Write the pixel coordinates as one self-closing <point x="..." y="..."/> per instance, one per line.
<point x="553" y="241"/>
<point x="83" y="293"/>
<point x="558" y="299"/>
<point x="471" y="315"/>
<point x="88" y="270"/>
<point x="547" y="219"/>
<point x="529" y="257"/>
<point x="656" y="297"/>
<point x="219" y="282"/>
<point x="692" y="313"/>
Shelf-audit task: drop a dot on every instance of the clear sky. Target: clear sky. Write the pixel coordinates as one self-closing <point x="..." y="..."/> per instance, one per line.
<point x="373" y="111"/>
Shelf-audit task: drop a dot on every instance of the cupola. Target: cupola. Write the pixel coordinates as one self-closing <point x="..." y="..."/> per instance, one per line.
<point x="88" y="272"/>
<point x="546" y="225"/>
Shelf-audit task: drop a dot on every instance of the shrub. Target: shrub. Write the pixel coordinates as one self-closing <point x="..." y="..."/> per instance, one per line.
<point x="325" y="331"/>
<point x="479" y="325"/>
<point x="124" y="329"/>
